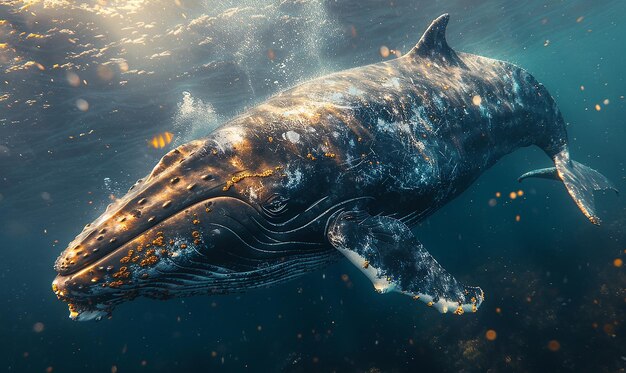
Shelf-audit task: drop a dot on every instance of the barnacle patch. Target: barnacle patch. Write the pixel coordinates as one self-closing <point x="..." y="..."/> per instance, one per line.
<point x="235" y="179"/>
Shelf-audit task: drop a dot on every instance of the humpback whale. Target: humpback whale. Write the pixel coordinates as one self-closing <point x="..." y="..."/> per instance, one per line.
<point x="343" y="165"/>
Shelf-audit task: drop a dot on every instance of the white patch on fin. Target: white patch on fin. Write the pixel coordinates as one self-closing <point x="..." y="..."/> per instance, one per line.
<point x="381" y="285"/>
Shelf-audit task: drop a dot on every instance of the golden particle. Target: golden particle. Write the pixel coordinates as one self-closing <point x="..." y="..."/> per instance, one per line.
<point x="512" y="195"/>
<point x="384" y="51"/>
<point x="609" y="329"/>
<point x="195" y="234"/>
<point x="429" y="304"/>
<point x="196" y="221"/>
<point x="520" y="193"/>
<point x="105" y="73"/>
<point x="366" y="264"/>
<point x="160" y="141"/>
<point x="498" y="194"/>
<point x="183" y="246"/>
<point x="270" y="139"/>
<point x="518" y="218"/>
<point x="82" y="105"/>
<point x="38" y="327"/>
<point x="554" y="345"/>
<point x="498" y="310"/>
<point x="598" y="108"/>
<point x="618" y="262"/>
<point x="477" y="100"/>
<point x="491" y="335"/>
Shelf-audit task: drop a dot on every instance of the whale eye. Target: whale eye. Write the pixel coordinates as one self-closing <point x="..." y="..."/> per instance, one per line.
<point x="275" y="205"/>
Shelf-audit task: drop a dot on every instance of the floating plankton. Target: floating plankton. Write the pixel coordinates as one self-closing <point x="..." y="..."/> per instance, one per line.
<point x="384" y="51"/>
<point x="554" y="345"/>
<point x="159" y="141"/>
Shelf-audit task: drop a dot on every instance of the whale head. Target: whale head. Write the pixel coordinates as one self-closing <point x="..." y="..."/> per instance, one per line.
<point x="212" y="217"/>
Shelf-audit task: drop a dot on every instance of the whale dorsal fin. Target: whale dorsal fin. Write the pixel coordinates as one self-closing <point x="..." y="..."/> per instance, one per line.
<point x="433" y="43"/>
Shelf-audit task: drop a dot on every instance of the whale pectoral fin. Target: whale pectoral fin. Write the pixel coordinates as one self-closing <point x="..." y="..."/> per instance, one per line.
<point x="390" y="255"/>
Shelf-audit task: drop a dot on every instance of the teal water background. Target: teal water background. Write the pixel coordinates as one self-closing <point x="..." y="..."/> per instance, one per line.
<point x="149" y="67"/>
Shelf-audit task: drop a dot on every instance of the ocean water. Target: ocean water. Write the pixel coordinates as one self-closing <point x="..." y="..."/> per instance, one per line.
<point x="86" y="86"/>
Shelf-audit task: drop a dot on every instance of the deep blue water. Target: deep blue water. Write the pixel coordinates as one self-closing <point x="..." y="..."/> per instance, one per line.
<point x="108" y="76"/>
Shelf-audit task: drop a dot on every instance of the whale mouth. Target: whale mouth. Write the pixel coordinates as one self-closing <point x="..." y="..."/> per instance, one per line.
<point x="93" y="289"/>
<point x="216" y="246"/>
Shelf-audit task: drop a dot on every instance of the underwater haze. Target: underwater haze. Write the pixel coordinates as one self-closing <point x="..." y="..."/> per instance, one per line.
<point x="93" y="93"/>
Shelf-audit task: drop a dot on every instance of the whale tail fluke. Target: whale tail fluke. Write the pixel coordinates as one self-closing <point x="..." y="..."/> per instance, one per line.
<point x="580" y="181"/>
